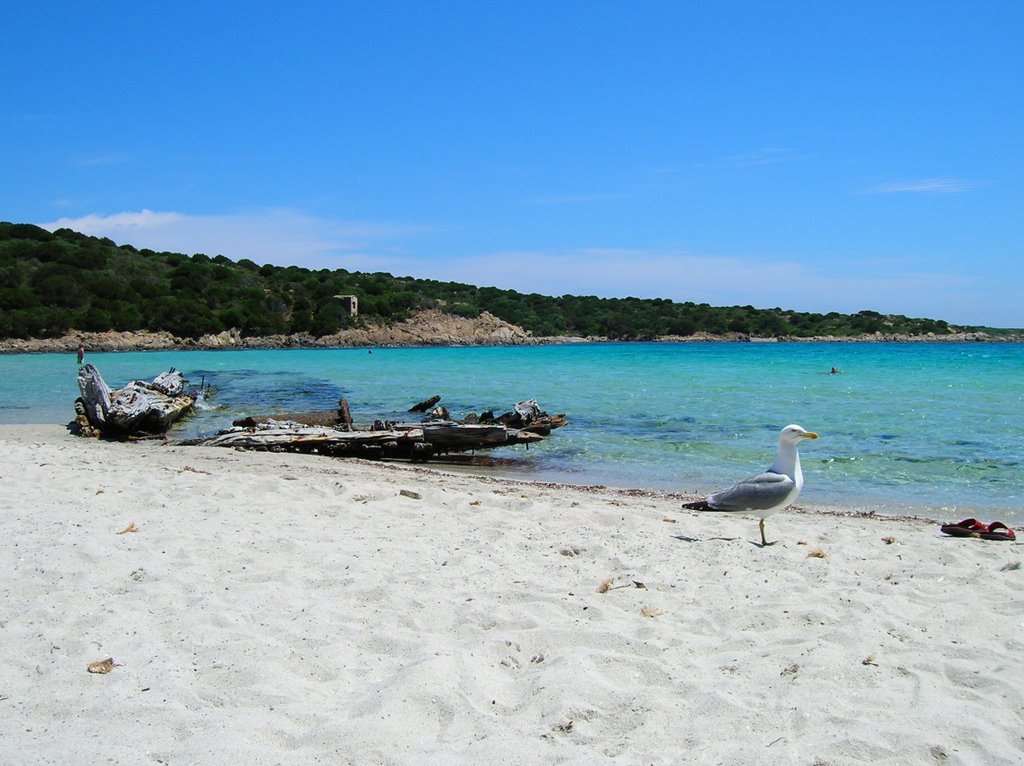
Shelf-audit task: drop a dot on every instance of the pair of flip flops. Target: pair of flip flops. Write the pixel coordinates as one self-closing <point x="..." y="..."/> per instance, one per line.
<point x="997" y="530"/>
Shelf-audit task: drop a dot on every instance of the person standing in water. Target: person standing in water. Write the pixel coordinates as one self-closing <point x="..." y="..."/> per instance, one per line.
<point x="81" y="352"/>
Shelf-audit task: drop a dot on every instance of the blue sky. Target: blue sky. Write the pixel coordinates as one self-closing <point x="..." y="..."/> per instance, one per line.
<point x="813" y="156"/>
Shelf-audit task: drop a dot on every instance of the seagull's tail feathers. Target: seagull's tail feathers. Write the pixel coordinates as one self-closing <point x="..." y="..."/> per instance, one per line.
<point x="698" y="505"/>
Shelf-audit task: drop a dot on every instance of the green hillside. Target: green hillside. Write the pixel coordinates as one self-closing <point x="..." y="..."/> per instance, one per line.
<point x="53" y="282"/>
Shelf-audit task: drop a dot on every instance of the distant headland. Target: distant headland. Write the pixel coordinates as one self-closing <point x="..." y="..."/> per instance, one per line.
<point x="62" y="288"/>
<point x="426" y="328"/>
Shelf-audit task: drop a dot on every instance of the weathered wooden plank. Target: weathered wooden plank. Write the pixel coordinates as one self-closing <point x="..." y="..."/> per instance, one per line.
<point x="324" y="418"/>
<point x="303" y="435"/>
<point x="295" y="437"/>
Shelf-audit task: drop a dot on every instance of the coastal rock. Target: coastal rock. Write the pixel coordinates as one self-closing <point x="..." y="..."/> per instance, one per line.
<point x="431" y="327"/>
<point x="434" y="328"/>
<point x="93" y="341"/>
<point x="426" y="328"/>
<point x="228" y="339"/>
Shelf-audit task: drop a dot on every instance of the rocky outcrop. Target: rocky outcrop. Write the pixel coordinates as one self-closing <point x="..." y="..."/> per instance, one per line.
<point x="427" y="328"/>
<point x="93" y="341"/>
<point x="879" y="337"/>
<point x="434" y="328"/>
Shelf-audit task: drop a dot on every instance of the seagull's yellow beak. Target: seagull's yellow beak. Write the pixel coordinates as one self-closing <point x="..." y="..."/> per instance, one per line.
<point x="809" y="435"/>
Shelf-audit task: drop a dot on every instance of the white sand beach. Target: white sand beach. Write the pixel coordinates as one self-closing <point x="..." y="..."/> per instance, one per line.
<point x="286" y="609"/>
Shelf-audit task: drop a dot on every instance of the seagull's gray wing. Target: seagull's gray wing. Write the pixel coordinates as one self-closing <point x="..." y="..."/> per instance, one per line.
<point x="763" y="492"/>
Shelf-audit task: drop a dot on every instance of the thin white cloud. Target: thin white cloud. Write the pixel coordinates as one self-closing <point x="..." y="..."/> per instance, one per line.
<point x="66" y="202"/>
<point x="770" y="155"/>
<point x="661" y="170"/>
<point x="281" y="237"/>
<point x="104" y="159"/>
<point x="717" y="280"/>
<point x="104" y="225"/>
<point x="926" y="186"/>
<point x="571" y="199"/>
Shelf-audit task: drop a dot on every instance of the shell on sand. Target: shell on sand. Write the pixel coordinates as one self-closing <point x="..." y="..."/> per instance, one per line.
<point x="102" y="666"/>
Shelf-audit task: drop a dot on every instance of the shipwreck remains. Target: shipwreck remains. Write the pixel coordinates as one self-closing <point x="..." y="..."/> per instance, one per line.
<point x="137" y="409"/>
<point x="332" y="433"/>
<point x="339" y="418"/>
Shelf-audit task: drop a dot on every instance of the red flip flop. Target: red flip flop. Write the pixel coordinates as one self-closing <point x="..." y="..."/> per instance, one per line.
<point x="997" y="530"/>
<point x="965" y="528"/>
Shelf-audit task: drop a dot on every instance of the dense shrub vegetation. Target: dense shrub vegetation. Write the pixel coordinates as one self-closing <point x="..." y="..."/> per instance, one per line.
<point x="53" y="282"/>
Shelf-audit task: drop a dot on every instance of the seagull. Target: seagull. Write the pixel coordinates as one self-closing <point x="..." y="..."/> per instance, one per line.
<point x="767" y="492"/>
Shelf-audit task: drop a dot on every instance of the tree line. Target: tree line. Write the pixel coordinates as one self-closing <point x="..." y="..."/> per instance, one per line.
<point x="53" y="282"/>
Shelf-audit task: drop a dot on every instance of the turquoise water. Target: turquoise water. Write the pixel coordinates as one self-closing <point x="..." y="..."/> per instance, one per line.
<point x="905" y="427"/>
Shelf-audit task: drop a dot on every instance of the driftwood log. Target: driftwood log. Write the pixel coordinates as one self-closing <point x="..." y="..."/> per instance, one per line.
<point x="283" y="436"/>
<point x="426" y="404"/>
<point x="528" y="416"/>
<point x="525" y="416"/>
<point x="404" y="442"/>
<point x="461" y="437"/>
<point x="137" y="408"/>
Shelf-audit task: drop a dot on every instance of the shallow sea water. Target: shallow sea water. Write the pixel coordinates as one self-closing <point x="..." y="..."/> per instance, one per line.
<point x="905" y="427"/>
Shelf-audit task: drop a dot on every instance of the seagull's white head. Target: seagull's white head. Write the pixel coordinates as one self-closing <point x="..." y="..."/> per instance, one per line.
<point x="794" y="434"/>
